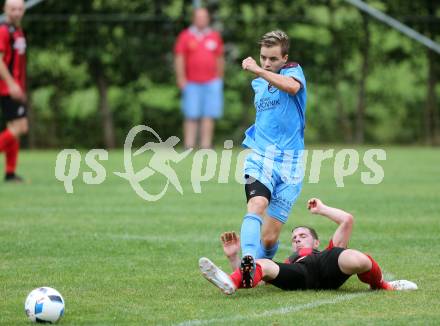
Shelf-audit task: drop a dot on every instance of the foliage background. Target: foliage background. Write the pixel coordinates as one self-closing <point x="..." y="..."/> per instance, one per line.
<point x="96" y="68"/>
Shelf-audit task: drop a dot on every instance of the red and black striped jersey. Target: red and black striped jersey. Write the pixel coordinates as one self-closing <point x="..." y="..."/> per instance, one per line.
<point x="13" y="48"/>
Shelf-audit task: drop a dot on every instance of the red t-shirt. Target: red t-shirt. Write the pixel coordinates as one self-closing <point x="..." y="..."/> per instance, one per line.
<point x="200" y="52"/>
<point x="18" y="53"/>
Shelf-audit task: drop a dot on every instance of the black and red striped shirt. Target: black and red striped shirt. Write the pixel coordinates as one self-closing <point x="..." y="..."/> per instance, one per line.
<point x="14" y="55"/>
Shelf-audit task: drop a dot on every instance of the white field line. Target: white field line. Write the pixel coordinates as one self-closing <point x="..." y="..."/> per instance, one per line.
<point x="274" y="312"/>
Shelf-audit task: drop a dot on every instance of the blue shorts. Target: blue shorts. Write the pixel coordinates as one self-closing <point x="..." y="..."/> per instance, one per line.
<point x="203" y="100"/>
<point x="283" y="179"/>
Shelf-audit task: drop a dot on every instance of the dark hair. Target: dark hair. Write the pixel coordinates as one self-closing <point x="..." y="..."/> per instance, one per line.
<point x="275" y="38"/>
<point x="312" y="231"/>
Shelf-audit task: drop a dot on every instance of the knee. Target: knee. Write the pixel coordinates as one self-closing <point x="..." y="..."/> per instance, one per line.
<point x="14" y="129"/>
<point x="18" y="127"/>
<point x="257" y="205"/>
<point x="269" y="239"/>
<point x="354" y="262"/>
<point x="24" y="126"/>
<point x="364" y="263"/>
<point x="269" y="269"/>
<point x="361" y="263"/>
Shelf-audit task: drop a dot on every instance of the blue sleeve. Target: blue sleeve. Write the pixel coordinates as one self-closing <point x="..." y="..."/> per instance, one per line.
<point x="297" y="73"/>
<point x="256" y="84"/>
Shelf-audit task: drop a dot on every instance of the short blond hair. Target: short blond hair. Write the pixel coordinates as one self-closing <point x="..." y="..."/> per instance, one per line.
<point x="275" y="38"/>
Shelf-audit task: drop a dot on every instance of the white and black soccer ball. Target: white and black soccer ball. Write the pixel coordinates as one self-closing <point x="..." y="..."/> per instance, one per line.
<point x="44" y="305"/>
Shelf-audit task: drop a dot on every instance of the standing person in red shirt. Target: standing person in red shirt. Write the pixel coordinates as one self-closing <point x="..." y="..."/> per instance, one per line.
<point x="12" y="85"/>
<point x="199" y="65"/>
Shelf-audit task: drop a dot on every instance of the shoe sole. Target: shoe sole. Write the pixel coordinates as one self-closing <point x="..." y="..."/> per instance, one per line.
<point x="403" y="285"/>
<point x="247" y="271"/>
<point x="214" y="275"/>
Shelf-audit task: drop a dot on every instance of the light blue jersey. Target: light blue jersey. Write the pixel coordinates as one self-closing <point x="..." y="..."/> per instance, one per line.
<point x="280" y="117"/>
<point x="277" y="142"/>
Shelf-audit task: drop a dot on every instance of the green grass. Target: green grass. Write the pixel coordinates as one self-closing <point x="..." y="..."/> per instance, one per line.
<point x="119" y="260"/>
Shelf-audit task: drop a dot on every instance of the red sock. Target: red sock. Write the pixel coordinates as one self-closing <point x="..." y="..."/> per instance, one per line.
<point x="374" y="277"/>
<point x="5" y="138"/>
<point x="12" y="155"/>
<point x="236" y="277"/>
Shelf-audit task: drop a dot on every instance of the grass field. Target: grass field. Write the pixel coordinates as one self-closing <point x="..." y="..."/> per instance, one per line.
<point x="119" y="260"/>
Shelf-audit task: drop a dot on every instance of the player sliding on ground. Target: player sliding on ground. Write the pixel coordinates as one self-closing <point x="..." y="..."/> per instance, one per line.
<point x="307" y="267"/>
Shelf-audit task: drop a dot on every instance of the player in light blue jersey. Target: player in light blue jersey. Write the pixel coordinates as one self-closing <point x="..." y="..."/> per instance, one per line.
<point x="273" y="170"/>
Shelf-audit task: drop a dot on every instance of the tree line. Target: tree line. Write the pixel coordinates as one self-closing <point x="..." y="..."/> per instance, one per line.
<point x="97" y="68"/>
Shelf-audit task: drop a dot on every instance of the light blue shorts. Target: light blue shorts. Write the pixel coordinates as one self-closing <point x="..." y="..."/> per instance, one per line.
<point x="203" y="100"/>
<point x="283" y="179"/>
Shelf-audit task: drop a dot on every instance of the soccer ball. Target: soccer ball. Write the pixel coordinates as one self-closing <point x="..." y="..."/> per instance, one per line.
<point x="44" y="305"/>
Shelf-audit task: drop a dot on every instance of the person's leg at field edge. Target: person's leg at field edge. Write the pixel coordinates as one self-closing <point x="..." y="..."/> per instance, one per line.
<point x="212" y="109"/>
<point x="190" y="132"/>
<point x="9" y="143"/>
<point x="206" y="132"/>
<point x="191" y="109"/>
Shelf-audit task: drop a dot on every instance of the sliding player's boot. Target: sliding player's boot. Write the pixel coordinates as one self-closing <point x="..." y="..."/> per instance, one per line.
<point x="13" y="178"/>
<point x="216" y="276"/>
<point x="402" y="285"/>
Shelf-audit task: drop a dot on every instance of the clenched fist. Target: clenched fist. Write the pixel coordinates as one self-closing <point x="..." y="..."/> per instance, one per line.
<point x="315" y="205"/>
<point x="251" y="65"/>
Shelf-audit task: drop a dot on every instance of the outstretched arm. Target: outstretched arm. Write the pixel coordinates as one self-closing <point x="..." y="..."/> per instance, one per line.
<point x="231" y="248"/>
<point x="342" y="234"/>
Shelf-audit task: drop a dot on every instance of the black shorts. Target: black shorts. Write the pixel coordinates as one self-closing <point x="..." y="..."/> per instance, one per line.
<point x="12" y="109"/>
<point x="317" y="271"/>
<point x="254" y="188"/>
